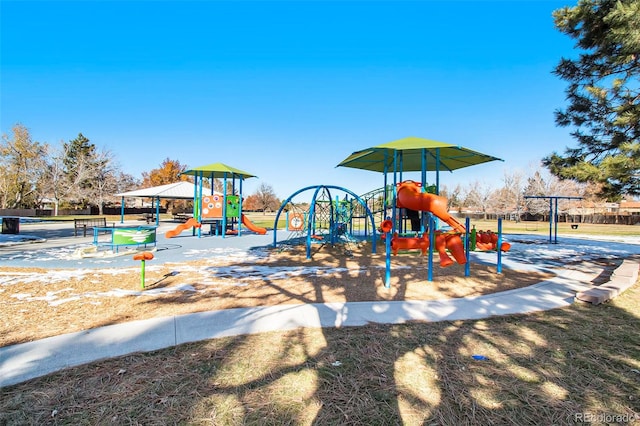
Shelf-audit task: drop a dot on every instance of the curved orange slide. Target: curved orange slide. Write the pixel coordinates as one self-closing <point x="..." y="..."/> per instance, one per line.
<point x="178" y="229"/>
<point x="252" y="226"/>
<point x="409" y="196"/>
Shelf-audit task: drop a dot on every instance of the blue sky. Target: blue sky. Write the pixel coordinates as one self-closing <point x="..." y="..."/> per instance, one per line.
<point x="286" y="90"/>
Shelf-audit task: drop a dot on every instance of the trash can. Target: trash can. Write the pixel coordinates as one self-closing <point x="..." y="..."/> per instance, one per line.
<point x="10" y="225"/>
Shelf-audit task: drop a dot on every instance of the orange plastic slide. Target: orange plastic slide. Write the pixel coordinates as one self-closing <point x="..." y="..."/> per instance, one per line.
<point x="444" y="242"/>
<point x="178" y="229"/>
<point x="252" y="226"/>
<point x="409" y="196"/>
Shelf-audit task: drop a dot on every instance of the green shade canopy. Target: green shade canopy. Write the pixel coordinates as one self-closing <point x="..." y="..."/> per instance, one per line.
<point x="218" y="170"/>
<point x="412" y="150"/>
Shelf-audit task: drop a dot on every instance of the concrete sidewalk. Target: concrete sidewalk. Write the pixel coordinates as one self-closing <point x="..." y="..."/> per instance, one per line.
<point x="25" y="361"/>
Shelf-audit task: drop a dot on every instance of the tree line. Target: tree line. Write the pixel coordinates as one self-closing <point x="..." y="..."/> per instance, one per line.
<point x="510" y="199"/>
<point x="74" y="174"/>
<point x="77" y="174"/>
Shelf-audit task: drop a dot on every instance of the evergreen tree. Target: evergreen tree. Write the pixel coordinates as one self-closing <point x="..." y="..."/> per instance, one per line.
<point x="603" y="96"/>
<point x="80" y="163"/>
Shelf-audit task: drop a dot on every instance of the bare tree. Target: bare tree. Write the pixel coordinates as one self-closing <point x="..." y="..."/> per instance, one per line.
<point x="55" y="185"/>
<point x="542" y="185"/>
<point x="510" y="198"/>
<point x="453" y="196"/>
<point x="266" y="198"/>
<point x="104" y="183"/>
<point x="479" y="197"/>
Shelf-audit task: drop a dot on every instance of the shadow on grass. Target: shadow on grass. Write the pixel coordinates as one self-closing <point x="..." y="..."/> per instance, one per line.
<point x="552" y="367"/>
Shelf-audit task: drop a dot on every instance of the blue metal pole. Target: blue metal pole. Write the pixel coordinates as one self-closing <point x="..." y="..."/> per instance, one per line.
<point x="499" y="267"/>
<point x="200" y="180"/>
<point x="437" y="171"/>
<point x="395" y="191"/>
<point x="240" y="209"/>
<point x="195" y="204"/>
<point x="550" y="219"/>
<point x="158" y="212"/>
<point x="424" y="185"/>
<point x="401" y="166"/>
<point x="467" y="247"/>
<point x="423" y="172"/>
<point x="122" y="210"/>
<point x="224" y="206"/>
<point x="333" y="212"/>
<point x="387" y="279"/>
<point x="310" y="225"/>
<point x="385" y="198"/>
<point x="387" y="270"/>
<point x="432" y="233"/>
<point x="555" y="218"/>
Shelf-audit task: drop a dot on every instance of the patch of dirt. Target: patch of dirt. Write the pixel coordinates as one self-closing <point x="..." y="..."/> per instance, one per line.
<point x="38" y="303"/>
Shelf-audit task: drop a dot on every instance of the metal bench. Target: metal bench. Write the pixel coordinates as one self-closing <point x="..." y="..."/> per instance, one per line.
<point x="182" y="216"/>
<point x="149" y="217"/>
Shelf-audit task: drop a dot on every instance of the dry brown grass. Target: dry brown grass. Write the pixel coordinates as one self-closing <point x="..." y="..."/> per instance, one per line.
<point x="339" y="278"/>
<point x="543" y="368"/>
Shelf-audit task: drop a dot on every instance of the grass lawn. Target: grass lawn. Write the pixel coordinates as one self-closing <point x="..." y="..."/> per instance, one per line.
<point x="563" y="366"/>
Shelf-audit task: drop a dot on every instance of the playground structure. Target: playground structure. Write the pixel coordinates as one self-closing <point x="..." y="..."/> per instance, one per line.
<point x="328" y="221"/>
<point x="331" y="220"/>
<point x="414" y="154"/>
<point x="401" y="205"/>
<point x="410" y="196"/>
<point x="221" y="210"/>
<point x="553" y="212"/>
<point x="336" y="220"/>
<point x="215" y="206"/>
<point x="212" y="211"/>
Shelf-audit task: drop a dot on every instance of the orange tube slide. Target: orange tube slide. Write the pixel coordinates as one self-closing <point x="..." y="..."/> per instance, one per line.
<point x="178" y="229"/>
<point x="409" y="196"/>
<point x="444" y="242"/>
